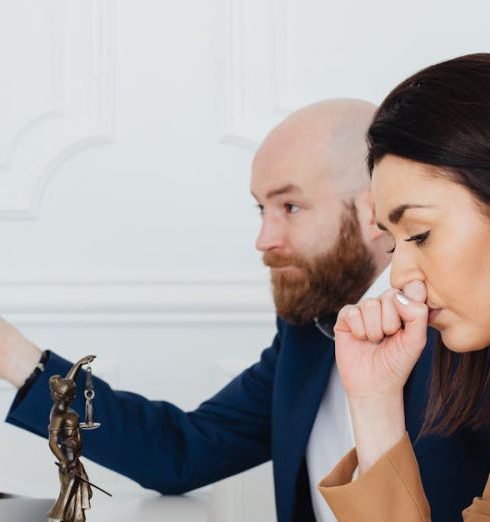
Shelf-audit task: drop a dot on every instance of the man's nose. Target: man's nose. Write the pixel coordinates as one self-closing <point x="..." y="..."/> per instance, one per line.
<point x="271" y="235"/>
<point x="404" y="269"/>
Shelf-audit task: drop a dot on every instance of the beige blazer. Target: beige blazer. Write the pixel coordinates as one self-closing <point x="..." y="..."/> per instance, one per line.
<point x="390" y="490"/>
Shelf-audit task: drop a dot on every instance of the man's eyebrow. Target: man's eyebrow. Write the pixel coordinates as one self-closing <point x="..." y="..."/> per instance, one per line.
<point x="285" y="189"/>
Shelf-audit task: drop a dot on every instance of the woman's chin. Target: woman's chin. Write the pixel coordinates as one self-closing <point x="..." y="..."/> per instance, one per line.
<point x="460" y="341"/>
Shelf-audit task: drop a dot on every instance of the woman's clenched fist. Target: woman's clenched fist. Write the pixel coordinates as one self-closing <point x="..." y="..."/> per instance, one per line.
<point x="378" y="341"/>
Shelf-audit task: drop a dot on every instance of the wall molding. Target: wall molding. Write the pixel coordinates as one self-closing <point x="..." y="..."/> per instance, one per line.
<point x="247" y="125"/>
<point x="136" y="301"/>
<point x="42" y="144"/>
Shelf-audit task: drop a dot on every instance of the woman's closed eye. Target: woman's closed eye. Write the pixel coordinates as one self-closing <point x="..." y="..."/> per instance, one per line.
<point x="419" y="239"/>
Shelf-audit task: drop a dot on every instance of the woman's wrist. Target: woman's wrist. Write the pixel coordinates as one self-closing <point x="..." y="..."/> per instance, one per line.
<point x="379" y="424"/>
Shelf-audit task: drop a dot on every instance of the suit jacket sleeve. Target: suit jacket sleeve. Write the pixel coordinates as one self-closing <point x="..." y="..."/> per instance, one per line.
<point x="156" y="443"/>
<point x="390" y="490"/>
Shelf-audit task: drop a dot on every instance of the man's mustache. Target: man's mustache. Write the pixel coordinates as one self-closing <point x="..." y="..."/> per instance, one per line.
<point x="275" y="260"/>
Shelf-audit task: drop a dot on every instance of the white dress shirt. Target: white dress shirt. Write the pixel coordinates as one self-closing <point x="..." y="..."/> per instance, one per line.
<point x="332" y="437"/>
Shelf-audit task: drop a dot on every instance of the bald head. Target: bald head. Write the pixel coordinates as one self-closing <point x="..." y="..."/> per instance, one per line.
<point x="323" y="139"/>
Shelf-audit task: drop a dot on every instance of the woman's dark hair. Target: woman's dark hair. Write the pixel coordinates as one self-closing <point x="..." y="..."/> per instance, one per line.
<point x="441" y="117"/>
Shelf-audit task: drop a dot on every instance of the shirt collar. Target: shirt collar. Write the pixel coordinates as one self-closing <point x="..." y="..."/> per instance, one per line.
<point x="380" y="285"/>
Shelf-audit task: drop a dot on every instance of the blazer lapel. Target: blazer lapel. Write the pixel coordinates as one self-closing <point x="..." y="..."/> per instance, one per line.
<point x="305" y="362"/>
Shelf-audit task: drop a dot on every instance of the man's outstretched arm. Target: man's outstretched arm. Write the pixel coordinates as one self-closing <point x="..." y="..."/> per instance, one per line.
<point x="157" y="444"/>
<point x="18" y="355"/>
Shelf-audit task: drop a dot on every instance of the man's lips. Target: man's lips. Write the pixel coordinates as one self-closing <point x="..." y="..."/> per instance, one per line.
<point x="285" y="269"/>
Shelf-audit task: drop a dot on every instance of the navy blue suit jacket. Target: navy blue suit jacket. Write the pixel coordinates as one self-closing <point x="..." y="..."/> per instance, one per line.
<point x="267" y="412"/>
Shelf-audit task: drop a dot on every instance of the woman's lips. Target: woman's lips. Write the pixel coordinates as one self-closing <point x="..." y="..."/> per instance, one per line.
<point x="433" y="313"/>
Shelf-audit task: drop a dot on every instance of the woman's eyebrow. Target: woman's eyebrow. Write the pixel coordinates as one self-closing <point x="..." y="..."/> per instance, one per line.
<point x="396" y="214"/>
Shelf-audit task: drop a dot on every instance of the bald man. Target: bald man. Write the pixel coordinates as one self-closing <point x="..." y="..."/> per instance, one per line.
<point x="319" y="238"/>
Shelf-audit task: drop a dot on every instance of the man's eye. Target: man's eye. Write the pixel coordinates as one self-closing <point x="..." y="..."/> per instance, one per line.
<point x="291" y="208"/>
<point x="260" y="209"/>
<point x="391" y="250"/>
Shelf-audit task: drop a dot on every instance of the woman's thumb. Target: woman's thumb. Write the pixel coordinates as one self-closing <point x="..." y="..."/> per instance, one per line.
<point x="414" y="313"/>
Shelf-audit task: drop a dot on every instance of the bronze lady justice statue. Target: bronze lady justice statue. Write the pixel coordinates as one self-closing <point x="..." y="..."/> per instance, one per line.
<point x="66" y="444"/>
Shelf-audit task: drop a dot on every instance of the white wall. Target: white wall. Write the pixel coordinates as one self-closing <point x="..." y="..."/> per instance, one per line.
<point x="126" y="133"/>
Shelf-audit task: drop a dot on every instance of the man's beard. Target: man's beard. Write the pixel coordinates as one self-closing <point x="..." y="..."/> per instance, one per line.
<point x="327" y="282"/>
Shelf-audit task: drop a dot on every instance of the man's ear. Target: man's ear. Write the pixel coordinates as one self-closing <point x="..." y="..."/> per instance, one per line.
<point x="367" y="215"/>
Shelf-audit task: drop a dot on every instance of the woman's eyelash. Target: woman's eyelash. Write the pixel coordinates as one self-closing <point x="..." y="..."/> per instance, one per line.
<point x="419" y="239"/>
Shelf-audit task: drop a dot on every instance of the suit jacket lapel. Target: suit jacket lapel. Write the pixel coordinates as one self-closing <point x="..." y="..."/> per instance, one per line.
<point x="305" y="362"/>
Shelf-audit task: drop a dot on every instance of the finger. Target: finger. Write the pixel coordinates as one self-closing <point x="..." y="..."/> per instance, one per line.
<point x="389" y="313"/>
<point x="349" y="320"/>
<point x="371" y="316"/>
<point x="415" y="291"/>
<point x="414" y="316"/>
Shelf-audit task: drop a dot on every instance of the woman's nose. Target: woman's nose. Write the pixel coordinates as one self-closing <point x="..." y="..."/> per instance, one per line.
<point x="404" y="269"/>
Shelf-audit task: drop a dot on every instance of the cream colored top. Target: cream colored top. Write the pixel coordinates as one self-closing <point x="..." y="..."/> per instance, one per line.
<point x="390" y="490"/>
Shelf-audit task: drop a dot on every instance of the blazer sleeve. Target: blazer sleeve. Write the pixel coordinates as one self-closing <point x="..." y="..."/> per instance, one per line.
<point x="156" y="443"/>
<point x="479" y="511"/>
<point x="390" y="490"/>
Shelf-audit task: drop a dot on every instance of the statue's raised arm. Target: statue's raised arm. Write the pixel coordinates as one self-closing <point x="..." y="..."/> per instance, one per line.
<point x="75" y="369"/>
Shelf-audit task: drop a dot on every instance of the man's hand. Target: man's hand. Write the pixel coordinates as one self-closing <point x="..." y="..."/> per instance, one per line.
<point x="18" y="356"/>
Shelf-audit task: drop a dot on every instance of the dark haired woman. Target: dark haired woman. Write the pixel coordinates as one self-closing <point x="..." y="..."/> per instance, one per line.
<point x="430" y="163"/>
